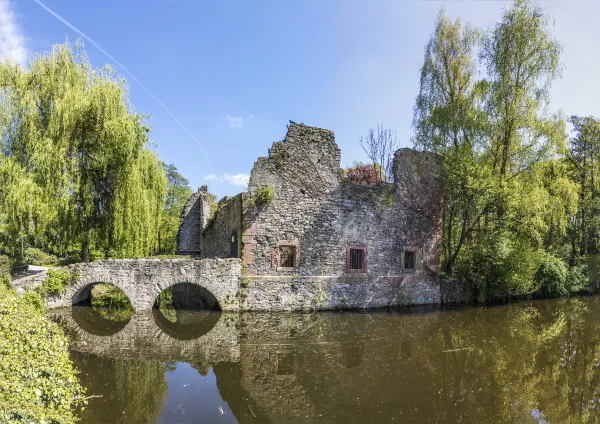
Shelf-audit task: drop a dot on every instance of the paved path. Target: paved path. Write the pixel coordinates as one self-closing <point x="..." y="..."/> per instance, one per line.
<point x="32" y="270"/>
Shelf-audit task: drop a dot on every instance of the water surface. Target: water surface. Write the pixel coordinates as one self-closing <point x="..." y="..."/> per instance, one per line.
<point x="533" y="362"/>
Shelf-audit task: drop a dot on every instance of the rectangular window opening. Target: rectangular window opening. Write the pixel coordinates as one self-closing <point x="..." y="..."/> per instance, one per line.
<point x="409" y="261"/>
<point x="356" y="259"/>
<point x="287" y="256"/>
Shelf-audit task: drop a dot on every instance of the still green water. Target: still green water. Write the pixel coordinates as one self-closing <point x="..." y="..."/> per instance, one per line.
<point x="528" y="362"/>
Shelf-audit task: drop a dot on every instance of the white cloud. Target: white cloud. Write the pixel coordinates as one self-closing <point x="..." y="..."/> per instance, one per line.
<point x="236" y="121"/>
<point x="237" y="179"/>
<point x="12" y="42"/>
<point x="213" y="177"/>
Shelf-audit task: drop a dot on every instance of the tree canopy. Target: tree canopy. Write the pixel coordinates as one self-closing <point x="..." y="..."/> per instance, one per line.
<point x="78" y="175"/>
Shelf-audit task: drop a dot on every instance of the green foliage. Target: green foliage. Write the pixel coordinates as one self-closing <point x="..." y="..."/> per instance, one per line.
<point x="76" y="169"/>
<point x="165" y="305"/>
<point x="498" y="267"/>
<point x="56" y="282"/>
<point x="178" y="192"/>
<point x="111" y="302"/>
<point x="35" y="256"/>
<point x="37" y="380"/>
<point x="5" y="281"/>
<point x="5" y="265"/>
<point x="35" y="300"/>
<point x="552" y="276"/>
<point x="264" y="195"/>
<point x="509" y="197"/>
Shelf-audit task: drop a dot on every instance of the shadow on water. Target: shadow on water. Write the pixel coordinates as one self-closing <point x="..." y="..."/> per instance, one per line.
<point x="532" y="361"/>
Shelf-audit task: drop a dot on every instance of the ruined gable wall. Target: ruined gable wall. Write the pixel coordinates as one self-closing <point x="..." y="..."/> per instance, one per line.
<point x="193" y="220"/>
<point x="320" y="213"/>
<point x="218" y="232"/>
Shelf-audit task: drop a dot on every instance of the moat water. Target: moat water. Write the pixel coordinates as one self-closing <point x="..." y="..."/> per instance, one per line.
<point x="535" y="361"/>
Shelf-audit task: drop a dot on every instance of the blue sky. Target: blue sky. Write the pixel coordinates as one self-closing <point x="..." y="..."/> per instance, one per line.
<point x="233" y="73"/>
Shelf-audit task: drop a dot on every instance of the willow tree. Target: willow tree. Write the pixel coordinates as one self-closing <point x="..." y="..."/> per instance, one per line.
<point x="74" y="133"/>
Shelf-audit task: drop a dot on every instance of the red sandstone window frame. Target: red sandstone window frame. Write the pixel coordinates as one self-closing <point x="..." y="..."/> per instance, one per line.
<point x="276" y="254"/>
<point x="349" y="248"/>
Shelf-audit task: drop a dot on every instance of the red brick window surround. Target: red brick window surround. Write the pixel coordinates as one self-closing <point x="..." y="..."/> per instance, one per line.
<point x="286" y="255"/>
<point x="356" y="259"/>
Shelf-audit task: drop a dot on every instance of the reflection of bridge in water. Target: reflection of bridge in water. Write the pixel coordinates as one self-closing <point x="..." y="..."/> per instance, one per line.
<point x="279" y="367"/>
<point x="199" y="337"/>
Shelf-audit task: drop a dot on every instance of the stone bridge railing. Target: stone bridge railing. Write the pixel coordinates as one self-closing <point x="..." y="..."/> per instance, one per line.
<point x="142" y="280"/>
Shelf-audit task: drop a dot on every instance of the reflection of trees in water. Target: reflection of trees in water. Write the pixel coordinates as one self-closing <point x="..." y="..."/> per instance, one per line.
<point x="494" y="364"/>
<point x="538" y="359"/>
<point x="132" y="391"/>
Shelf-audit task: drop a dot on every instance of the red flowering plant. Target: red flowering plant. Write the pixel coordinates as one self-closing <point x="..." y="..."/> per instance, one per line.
<point x="363" y="174"/>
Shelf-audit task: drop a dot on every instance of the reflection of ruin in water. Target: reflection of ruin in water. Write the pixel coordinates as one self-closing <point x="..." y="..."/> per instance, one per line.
<point x="448" y="366"/>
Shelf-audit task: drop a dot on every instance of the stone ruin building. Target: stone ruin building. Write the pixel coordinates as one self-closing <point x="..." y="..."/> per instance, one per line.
<point x="310" y="239"/>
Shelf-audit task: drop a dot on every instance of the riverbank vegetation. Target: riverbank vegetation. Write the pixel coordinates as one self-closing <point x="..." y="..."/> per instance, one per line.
<point x="38" y="382"/>
<point x="79" y="179"/>
<point x="521" y="197"/>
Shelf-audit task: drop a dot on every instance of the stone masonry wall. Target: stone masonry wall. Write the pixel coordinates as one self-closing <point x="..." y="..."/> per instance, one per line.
<point x="142" y="280"/>
<point x="193" y="220"/>
<point x="226" y="223"/>
<point x="320" y="215"/>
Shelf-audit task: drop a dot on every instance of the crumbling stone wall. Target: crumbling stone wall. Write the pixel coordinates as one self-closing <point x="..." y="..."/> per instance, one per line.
<point x="320" y="213"/>
<point x="193" y="220"/>
<point x="316" y="216"/>
<point x="226" y="223"/>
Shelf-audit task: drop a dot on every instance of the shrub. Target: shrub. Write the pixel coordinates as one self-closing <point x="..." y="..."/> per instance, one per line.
<point x="35" y="300"/>
<point x="5" y="265"/>
<point x="363" y="174"/>
<point x="577" y="279"/>
<point x="56" y="282"/>
<point x="35" y="256"/>
<point x="5" y="281"/>
<point x="552" y="276"/>
<point x="498" y="267"/>
<point x="37" y="380"/>
<point x="264" y="196"/>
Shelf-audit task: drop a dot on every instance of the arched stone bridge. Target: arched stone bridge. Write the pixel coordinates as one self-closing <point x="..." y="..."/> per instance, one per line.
<point x="142" y="280"/>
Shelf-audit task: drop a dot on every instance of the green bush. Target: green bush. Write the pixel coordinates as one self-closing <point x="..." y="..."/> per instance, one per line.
<point x="56" y="283"/>
<point x="498" y="267"/>
<point x="552" y="276"/>
<point x="35" y="256"/>
<point x="264" y="196"/>
<point x="35" y="300"/>
<point x="577" y="278"/>
<point x="38" y="383"/>
<point x="5" y="281"/>
<point x="5" y="265"/>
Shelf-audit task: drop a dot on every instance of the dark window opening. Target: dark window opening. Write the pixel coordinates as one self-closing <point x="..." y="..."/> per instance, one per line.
<point x="356" y="259"/>
<point x="287" y="256"/>
<point x="409" y="260"/>
<point x="234" y="244"/>
<point x="285" y="363"/>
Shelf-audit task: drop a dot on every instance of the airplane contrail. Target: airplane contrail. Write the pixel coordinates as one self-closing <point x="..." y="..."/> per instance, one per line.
<point x="128" y="72"/>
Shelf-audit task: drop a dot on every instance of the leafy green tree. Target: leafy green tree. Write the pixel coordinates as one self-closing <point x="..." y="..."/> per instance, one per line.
<point x="178" y="192"/>
<point x="584" y="156"/>
<point x="508" y="195"/>
<point x="74" y="159"/>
